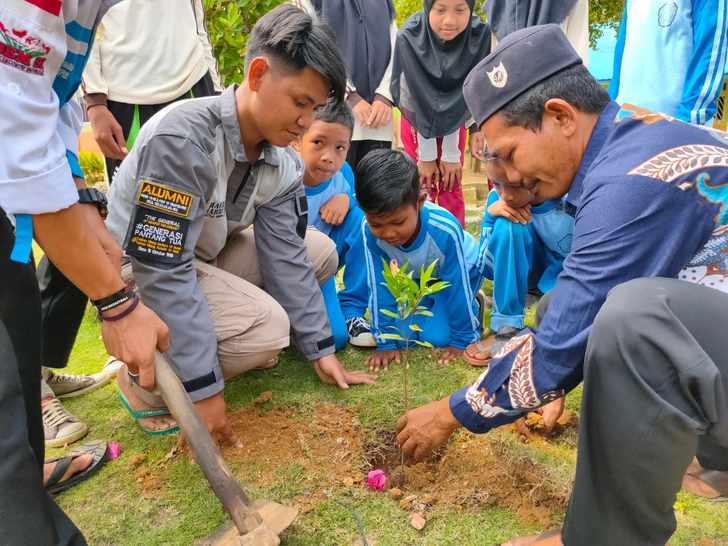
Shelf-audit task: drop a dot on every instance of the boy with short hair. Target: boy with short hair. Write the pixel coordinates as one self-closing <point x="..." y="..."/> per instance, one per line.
<point x="332" y="209"/>
<point x="403" y="226"/>
<point x="523" y="243"/>
<point x="210" y="207"/>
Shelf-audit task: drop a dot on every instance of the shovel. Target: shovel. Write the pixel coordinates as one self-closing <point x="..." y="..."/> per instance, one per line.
<point x="254" y="523"/>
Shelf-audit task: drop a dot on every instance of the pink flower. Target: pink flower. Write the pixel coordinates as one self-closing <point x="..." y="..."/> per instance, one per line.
<point x="376" y="479"/>
<point x="113" y="451"/>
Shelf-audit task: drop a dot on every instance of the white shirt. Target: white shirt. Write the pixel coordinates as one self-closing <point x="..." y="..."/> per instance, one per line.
<point x="150" y="52"/>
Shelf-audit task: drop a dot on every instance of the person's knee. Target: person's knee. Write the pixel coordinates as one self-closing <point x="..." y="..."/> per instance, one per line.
<point x="322" y="253"/>
<point x="506" y="232"/>
<point x="626" y="305"/>
<point x="258" y="346"/>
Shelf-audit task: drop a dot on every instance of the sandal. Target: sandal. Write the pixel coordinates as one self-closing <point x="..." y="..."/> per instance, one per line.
<point x="708" y="484"/>
<point x="478" y="354"/>
<point x="55" y="484"/>
<point x="144" y="414"/>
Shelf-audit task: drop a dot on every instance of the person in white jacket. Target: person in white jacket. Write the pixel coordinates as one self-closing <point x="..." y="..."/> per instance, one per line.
<point x="146" y="55"/>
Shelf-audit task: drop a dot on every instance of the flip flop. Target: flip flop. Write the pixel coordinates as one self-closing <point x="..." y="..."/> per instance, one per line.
<point x="143" y="414"/>
<point x="97" y="450"/>
<point x="708" y="484"/>
<point x="478" y="354"/>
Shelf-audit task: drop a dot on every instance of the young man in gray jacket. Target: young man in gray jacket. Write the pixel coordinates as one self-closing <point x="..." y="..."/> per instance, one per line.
<point x="210" y="208"/>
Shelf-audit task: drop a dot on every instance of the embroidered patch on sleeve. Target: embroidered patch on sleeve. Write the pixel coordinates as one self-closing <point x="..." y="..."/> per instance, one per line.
<point x="160" y="224"/>
<point x="22" y="50"/>
<point x="51" y="6"/>
<point x="164" y="199"/>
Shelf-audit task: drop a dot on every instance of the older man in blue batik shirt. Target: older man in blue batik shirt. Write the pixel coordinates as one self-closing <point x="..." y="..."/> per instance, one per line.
<point x="638" y="313"/>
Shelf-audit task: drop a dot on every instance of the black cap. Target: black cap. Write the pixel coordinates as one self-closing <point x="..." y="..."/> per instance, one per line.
<point x="520" y="61"/>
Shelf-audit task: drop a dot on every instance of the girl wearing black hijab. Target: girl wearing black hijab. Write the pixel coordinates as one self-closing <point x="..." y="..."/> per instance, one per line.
<point x="435" y="50"/>
<point x="365" y="33"/>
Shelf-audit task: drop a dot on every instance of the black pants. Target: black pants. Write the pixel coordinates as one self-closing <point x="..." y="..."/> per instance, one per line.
<point x="27" y="514"/>
<point x="360" y="148"/>
<point x="62" y="303"/>
<point x="124" y="113"/>
<point x="655" y="395"/>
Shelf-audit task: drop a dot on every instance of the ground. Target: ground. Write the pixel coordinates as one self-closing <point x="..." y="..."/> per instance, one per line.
<point x="311" y="445"/>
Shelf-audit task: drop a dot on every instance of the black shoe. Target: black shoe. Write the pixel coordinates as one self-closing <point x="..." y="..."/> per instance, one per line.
<point x="360" y="334"/>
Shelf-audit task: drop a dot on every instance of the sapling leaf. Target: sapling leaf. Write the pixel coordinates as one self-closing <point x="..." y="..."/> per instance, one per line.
<point x="424" y="344"/>
<point x="388" y="313"/>
<point x="391" y="337"/>
<point x="415" y="327"/>
<point x="424" y="313"/>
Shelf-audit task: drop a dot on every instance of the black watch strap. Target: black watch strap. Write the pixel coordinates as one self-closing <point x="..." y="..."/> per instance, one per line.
<point x="114" y="300"/>
<point x="92" y="196"/>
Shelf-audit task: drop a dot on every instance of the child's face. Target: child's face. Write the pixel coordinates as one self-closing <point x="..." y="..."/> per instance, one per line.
<point x="448" y="18"/>
<point x="283" y="102"/>
<point x="397" y="227"/>
<point x="323" y="149"/>
<point x="516" y="197"/>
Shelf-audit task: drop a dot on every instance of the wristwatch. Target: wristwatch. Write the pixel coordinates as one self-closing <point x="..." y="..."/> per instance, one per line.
<point x="92" y="196"/>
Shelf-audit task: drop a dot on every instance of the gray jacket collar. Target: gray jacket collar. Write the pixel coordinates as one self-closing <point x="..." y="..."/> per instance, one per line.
<point x="231" y="128"/>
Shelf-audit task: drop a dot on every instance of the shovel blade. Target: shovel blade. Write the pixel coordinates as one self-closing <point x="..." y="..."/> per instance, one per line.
<point x="276" y="519"/>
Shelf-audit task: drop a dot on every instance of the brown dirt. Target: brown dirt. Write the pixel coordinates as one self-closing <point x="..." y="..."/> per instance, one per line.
<point x="333" y="450"/>
<point x="532" y="426"/>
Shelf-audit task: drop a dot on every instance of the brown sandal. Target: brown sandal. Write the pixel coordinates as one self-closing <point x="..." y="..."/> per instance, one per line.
<point x="478" y="354"/>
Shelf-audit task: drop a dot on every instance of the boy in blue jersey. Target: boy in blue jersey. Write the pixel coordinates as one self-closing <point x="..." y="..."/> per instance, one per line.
<point x="402" y="226"/>
<point x="523" y="243"/>
<point x="333" y="210"/>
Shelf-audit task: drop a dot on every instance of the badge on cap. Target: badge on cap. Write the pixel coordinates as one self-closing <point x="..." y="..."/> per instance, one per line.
<point x="498" y="76"/>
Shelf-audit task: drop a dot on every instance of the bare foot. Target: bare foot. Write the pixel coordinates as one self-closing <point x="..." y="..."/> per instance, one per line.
<point x="549" y="538"/>
<point x="152" y="424"/>
<point x="79" y="463"/>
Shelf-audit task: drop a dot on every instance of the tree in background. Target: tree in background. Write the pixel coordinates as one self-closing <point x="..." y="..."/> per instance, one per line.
<point x="229" y="22"/>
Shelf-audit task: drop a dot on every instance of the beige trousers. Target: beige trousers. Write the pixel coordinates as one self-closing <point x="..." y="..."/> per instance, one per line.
<point x="250" y="325"/>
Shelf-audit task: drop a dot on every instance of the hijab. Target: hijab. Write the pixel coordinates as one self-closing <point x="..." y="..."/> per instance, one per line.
<point x="505" y="16"/>
<point x="428" y="74"/>
<point x="362" y="29"/>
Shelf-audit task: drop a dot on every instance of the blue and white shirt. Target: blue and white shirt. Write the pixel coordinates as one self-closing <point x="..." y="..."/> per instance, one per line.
<point x="44" y="45"/>
<point x="671" y="57"/>
<point x="553" y="225"/>
<point x="650" y="199"/>
<point x="317" y="196"/>
<point x="440" y="238"/>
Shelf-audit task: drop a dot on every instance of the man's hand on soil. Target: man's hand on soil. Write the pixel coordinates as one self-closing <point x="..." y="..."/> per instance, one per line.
<point x="551" y="413"/>
<point x="448" y="354"/>
<point x="331" y="372"/>
<point x="422" y="430"/>
<point x="212" y="412"/>
<point x="335" y="209"/>
<point x="380" y="360"/>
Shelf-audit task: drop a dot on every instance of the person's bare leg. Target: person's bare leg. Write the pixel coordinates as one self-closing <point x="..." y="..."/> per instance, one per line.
<point x="79" y="463"/>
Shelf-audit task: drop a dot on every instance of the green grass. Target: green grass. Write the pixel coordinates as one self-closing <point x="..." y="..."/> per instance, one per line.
<point x="115" y="508"/>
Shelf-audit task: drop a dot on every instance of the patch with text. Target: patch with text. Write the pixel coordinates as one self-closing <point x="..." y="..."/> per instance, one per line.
<point x="164" y="199"/>
<point x="157" y="235"/>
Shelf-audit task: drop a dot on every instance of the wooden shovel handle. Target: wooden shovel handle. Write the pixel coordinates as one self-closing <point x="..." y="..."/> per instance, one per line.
<point x="234" y="499"/>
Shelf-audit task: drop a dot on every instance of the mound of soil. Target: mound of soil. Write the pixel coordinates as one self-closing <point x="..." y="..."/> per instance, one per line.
<point x="332" y="450"/>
